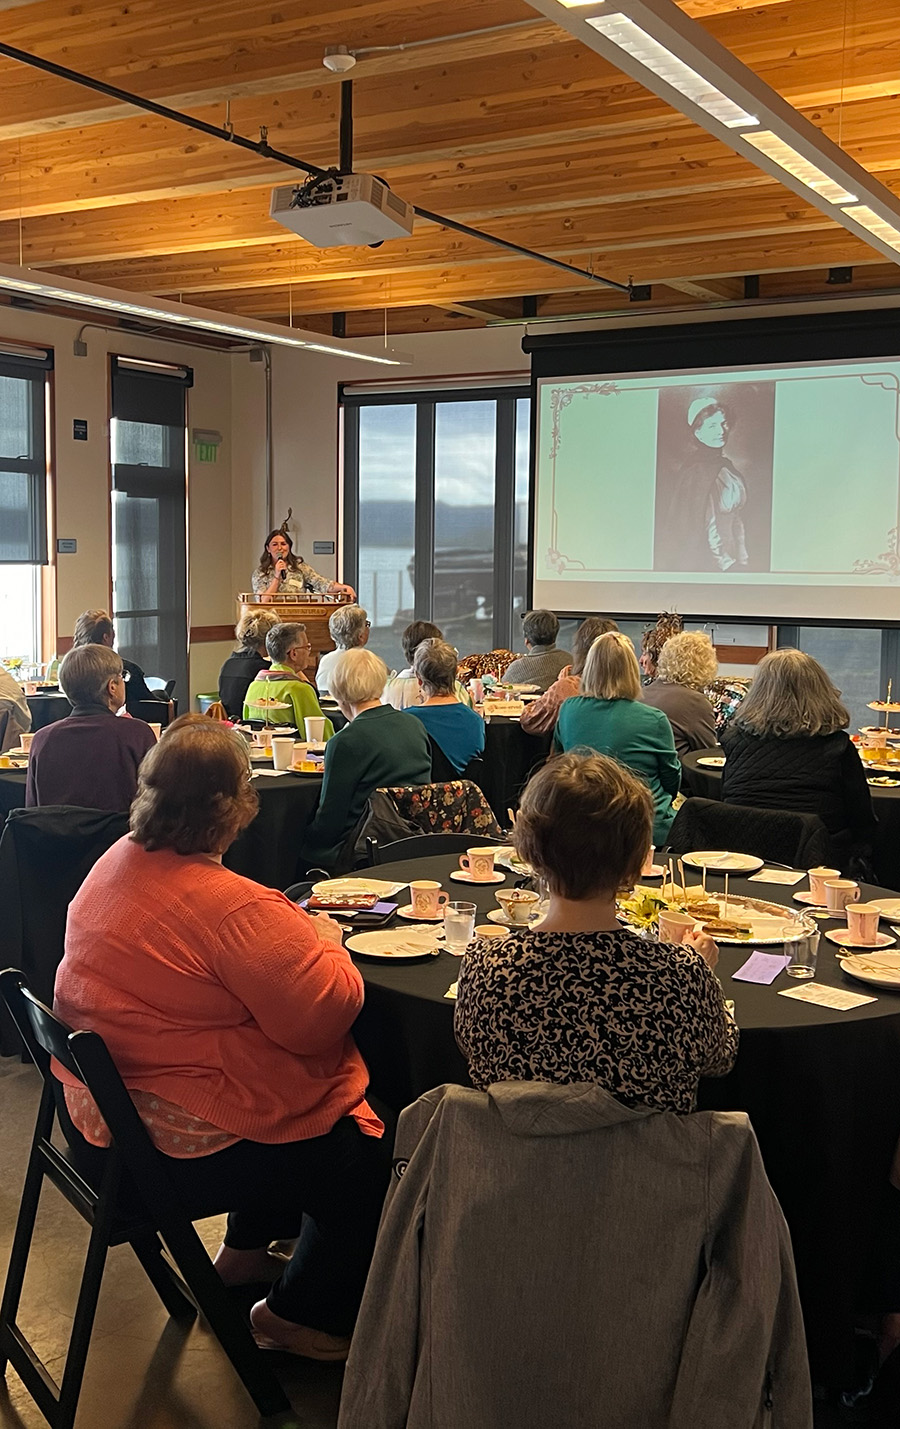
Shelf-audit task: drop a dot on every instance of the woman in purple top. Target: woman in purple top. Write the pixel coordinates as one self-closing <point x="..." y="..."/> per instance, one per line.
<point x="91" y="759"/>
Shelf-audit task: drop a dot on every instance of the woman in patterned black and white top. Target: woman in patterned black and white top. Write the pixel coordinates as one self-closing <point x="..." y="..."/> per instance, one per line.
<point x="581" y="999"/>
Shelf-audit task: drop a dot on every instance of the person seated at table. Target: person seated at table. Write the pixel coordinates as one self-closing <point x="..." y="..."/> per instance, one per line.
<point x="228" y="1012"/>
<point x="403" y="689"/>
<point x="787" y="747"/>
<point x="687" y="663"/>
<point x="455" y="728"/>
<point x="653" y="640"/>
<point x="542" y="662"/>
<point x="378" y="748"/>
<point x="14" y="706"/>
<point x="90" y="759"/>
<point x="280" y="572"/>
<point x="579" y="998"/>
<point x="95" y="627"/>
<point x="289" y="650"/>
<point x="609" y="716"/>
<point x="244" y="664"/>
<point x="541" y="714"/>
<point x="349" y="629"/>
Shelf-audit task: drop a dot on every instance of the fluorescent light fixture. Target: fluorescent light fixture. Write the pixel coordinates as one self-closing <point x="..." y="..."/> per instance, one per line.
<point x="887" y="232"/>
<point x="579" y="4"/>
<point x="675" y="57"/>
<point x="670" y="69"/>
<point x="34" y="284"/>
<point x="793" y="163"/>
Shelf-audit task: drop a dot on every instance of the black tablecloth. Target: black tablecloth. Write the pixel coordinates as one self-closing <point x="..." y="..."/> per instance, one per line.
<point x="267" y="851"/>
<point x="822" y="1089"/>
<point x="706" y="783"/>
<point x="510" y="755"/>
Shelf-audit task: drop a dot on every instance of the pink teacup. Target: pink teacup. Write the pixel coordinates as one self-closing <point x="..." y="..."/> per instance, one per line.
<point x="817" y="877"/>
<point x="478" y="863"/>
<point x="862" y="922"/>
<point x="839" y="892"/>
<point x="674" y="926"/>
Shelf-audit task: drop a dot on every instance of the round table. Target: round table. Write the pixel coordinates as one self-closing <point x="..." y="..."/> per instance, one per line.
<point x="821" y="1088"/>
<point x="268" y="851"/>
<point x="706" y="783"/>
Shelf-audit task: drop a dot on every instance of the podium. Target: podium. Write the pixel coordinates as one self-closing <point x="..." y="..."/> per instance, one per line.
<point x="309" y="609"/>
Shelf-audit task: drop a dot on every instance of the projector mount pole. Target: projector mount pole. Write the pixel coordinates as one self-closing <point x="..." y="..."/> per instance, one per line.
<point x="265" y="151"/>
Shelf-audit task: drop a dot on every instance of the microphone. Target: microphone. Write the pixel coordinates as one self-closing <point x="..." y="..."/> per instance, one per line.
<point x="283" y="575"/>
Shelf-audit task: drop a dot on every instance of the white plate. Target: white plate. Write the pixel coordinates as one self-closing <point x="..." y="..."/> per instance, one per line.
<point x="883" y="782"/>
<point x="357" y="885"/>
<point x="841" y="936"/>
<point x="657" y="871"/>
<point x="720" y="861"/>
<point x="414" y="917"/>
<point x="258" y="754"/>
<point x="887" y="907"/>
<point x="400" y="945"/>
<point x="460" y="875"/>
<point x="712" y="761"/>
<point x="878" y="970"/>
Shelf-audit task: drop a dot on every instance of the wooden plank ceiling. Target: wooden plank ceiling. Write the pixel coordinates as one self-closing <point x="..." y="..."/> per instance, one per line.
<point x="506" y="123"/>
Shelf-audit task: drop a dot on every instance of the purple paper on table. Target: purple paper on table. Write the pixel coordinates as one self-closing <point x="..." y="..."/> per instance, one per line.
<point x="762" y="967"/>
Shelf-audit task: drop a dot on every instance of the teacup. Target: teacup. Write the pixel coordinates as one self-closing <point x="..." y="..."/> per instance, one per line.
<point x="839" y="892"/>
<point x="674" y="926"/>
<point x="518" y="904"/>
<point x="427" y="898"/>
<point x="25" y="741"/>
<point x="817" y="877"/>
<point x="263" y="738"/>
<point x="648" y="862"/>
<point x="862" y="922"/>
<point x="478" y="863"/>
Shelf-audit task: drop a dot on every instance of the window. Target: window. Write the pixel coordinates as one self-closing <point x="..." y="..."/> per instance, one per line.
<point x="24" y="395"/>
<point x="436" y="513"/>
<point x="149" y="543"/>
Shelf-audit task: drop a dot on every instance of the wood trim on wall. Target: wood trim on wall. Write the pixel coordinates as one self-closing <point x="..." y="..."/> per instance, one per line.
<point x="740" y="654"/>
<point x="210" y="634"/>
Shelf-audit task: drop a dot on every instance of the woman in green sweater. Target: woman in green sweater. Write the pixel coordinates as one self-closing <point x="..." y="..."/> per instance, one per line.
<point x="609" y="716"/>
<point x="380" y="747"/>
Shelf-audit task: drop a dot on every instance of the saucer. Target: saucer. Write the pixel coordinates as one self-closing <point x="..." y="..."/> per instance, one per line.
<point x="414" y="917"/>
<point x="657" y="871"/>
<point x="497" y="915"/>
<point x="808" y="900"/>
<point x="461" y="875"/>
<point x="841" y="936"/>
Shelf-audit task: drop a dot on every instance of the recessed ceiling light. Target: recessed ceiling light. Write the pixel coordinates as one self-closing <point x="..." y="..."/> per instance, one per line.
<point x="793" y="163"/>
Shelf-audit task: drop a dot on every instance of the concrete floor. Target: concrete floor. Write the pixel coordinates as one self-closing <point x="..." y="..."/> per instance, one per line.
<point x="144" y="1371"/>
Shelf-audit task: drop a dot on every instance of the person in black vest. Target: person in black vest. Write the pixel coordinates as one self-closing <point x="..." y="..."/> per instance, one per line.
<point x="244" y="664"/>
<point x="95" y="627"/>
<point x="787" y="747"/>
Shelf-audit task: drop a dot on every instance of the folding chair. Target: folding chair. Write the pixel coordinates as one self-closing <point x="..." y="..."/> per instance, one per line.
<point x="131" y="1200"/>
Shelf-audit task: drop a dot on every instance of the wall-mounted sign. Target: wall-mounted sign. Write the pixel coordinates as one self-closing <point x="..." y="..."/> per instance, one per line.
<point x="323" y="548"/>
<point x="206" y="444"/>
<point x="79" y="430"/>
<point x="66" y="546"/>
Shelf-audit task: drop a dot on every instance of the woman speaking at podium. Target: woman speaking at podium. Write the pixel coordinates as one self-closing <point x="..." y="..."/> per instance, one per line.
<point x="280" y="573"/>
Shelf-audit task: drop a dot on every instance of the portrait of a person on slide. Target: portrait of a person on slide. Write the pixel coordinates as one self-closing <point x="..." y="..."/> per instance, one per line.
<point x="712" y="502"/>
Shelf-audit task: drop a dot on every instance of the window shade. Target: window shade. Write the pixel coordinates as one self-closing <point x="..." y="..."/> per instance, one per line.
<point x="23" y="458"/>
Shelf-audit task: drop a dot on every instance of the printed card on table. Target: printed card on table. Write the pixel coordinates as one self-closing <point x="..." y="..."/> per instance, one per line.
<point x="777" y="875"/>
<point x="822" y="996"/>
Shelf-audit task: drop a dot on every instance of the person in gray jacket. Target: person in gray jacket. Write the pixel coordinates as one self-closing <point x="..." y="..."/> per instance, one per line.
<point x="551" y="1259"/>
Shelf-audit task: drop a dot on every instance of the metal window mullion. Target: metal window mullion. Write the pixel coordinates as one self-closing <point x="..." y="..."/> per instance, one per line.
<point x="424" y="518"/>
<point x="890" y="661"/>
<point x="504" y="521"/>
<point x="350" y="535"/>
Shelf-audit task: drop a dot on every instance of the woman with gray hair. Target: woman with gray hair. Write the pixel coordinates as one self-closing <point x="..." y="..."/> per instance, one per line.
<point x="349" y="629"/>
<point x="455" y="729"/>
<point x="687" y="664"/>
<point x="787" y="747"/>
<point x="286" y="683"/>
<point x="90" y="759"/>
<point x="251" y="656"/>
<point x="377" y="749"/>
<point x="95" y="627"/>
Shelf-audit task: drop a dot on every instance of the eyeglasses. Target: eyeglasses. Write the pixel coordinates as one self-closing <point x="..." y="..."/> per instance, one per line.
<point x="368" y="625"/>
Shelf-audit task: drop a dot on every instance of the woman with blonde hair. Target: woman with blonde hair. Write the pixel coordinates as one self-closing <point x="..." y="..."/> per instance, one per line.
<point x="787" y="747"/>
<point x="610" y="717"/>
<point x="244" y="664"/>
<point x="687" y="663"/>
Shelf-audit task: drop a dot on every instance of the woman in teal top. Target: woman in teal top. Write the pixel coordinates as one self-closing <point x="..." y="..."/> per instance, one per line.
<point x="609" y="716"/>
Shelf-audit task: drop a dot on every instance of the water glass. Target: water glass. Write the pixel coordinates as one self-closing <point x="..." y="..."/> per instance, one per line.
<point x="801" y="955"/>
<point x="459" y="926"/>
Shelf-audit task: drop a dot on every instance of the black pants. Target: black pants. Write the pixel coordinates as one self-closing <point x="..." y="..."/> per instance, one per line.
<point x="328" y="1190"/>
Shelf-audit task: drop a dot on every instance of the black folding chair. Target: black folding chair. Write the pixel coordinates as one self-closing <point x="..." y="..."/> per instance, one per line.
<point x="131" y="1200"/>
<point x="425" y="846"/>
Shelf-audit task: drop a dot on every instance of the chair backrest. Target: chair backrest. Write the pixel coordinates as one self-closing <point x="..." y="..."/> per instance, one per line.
<point x="85" y="1056"/>
<point x="45" y="856"/>
<point x="7" y="729"/>
<point x="442" y="771"/>
<point x="424" y="846"/>
<point x="782" y="835"/>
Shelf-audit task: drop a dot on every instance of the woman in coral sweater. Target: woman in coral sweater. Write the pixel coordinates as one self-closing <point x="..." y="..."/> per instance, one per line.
<point x="228" y="1012"/>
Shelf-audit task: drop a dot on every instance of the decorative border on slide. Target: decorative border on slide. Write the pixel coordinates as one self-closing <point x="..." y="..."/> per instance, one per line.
<point x="886" y="562"/>
<point x="559" y="400"/>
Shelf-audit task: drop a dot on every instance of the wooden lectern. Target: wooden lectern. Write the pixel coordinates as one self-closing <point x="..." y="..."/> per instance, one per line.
<point x="310" y="609"/>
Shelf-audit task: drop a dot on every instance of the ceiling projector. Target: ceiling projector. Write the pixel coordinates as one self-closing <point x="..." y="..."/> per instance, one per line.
<point x="342" y="210"/>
